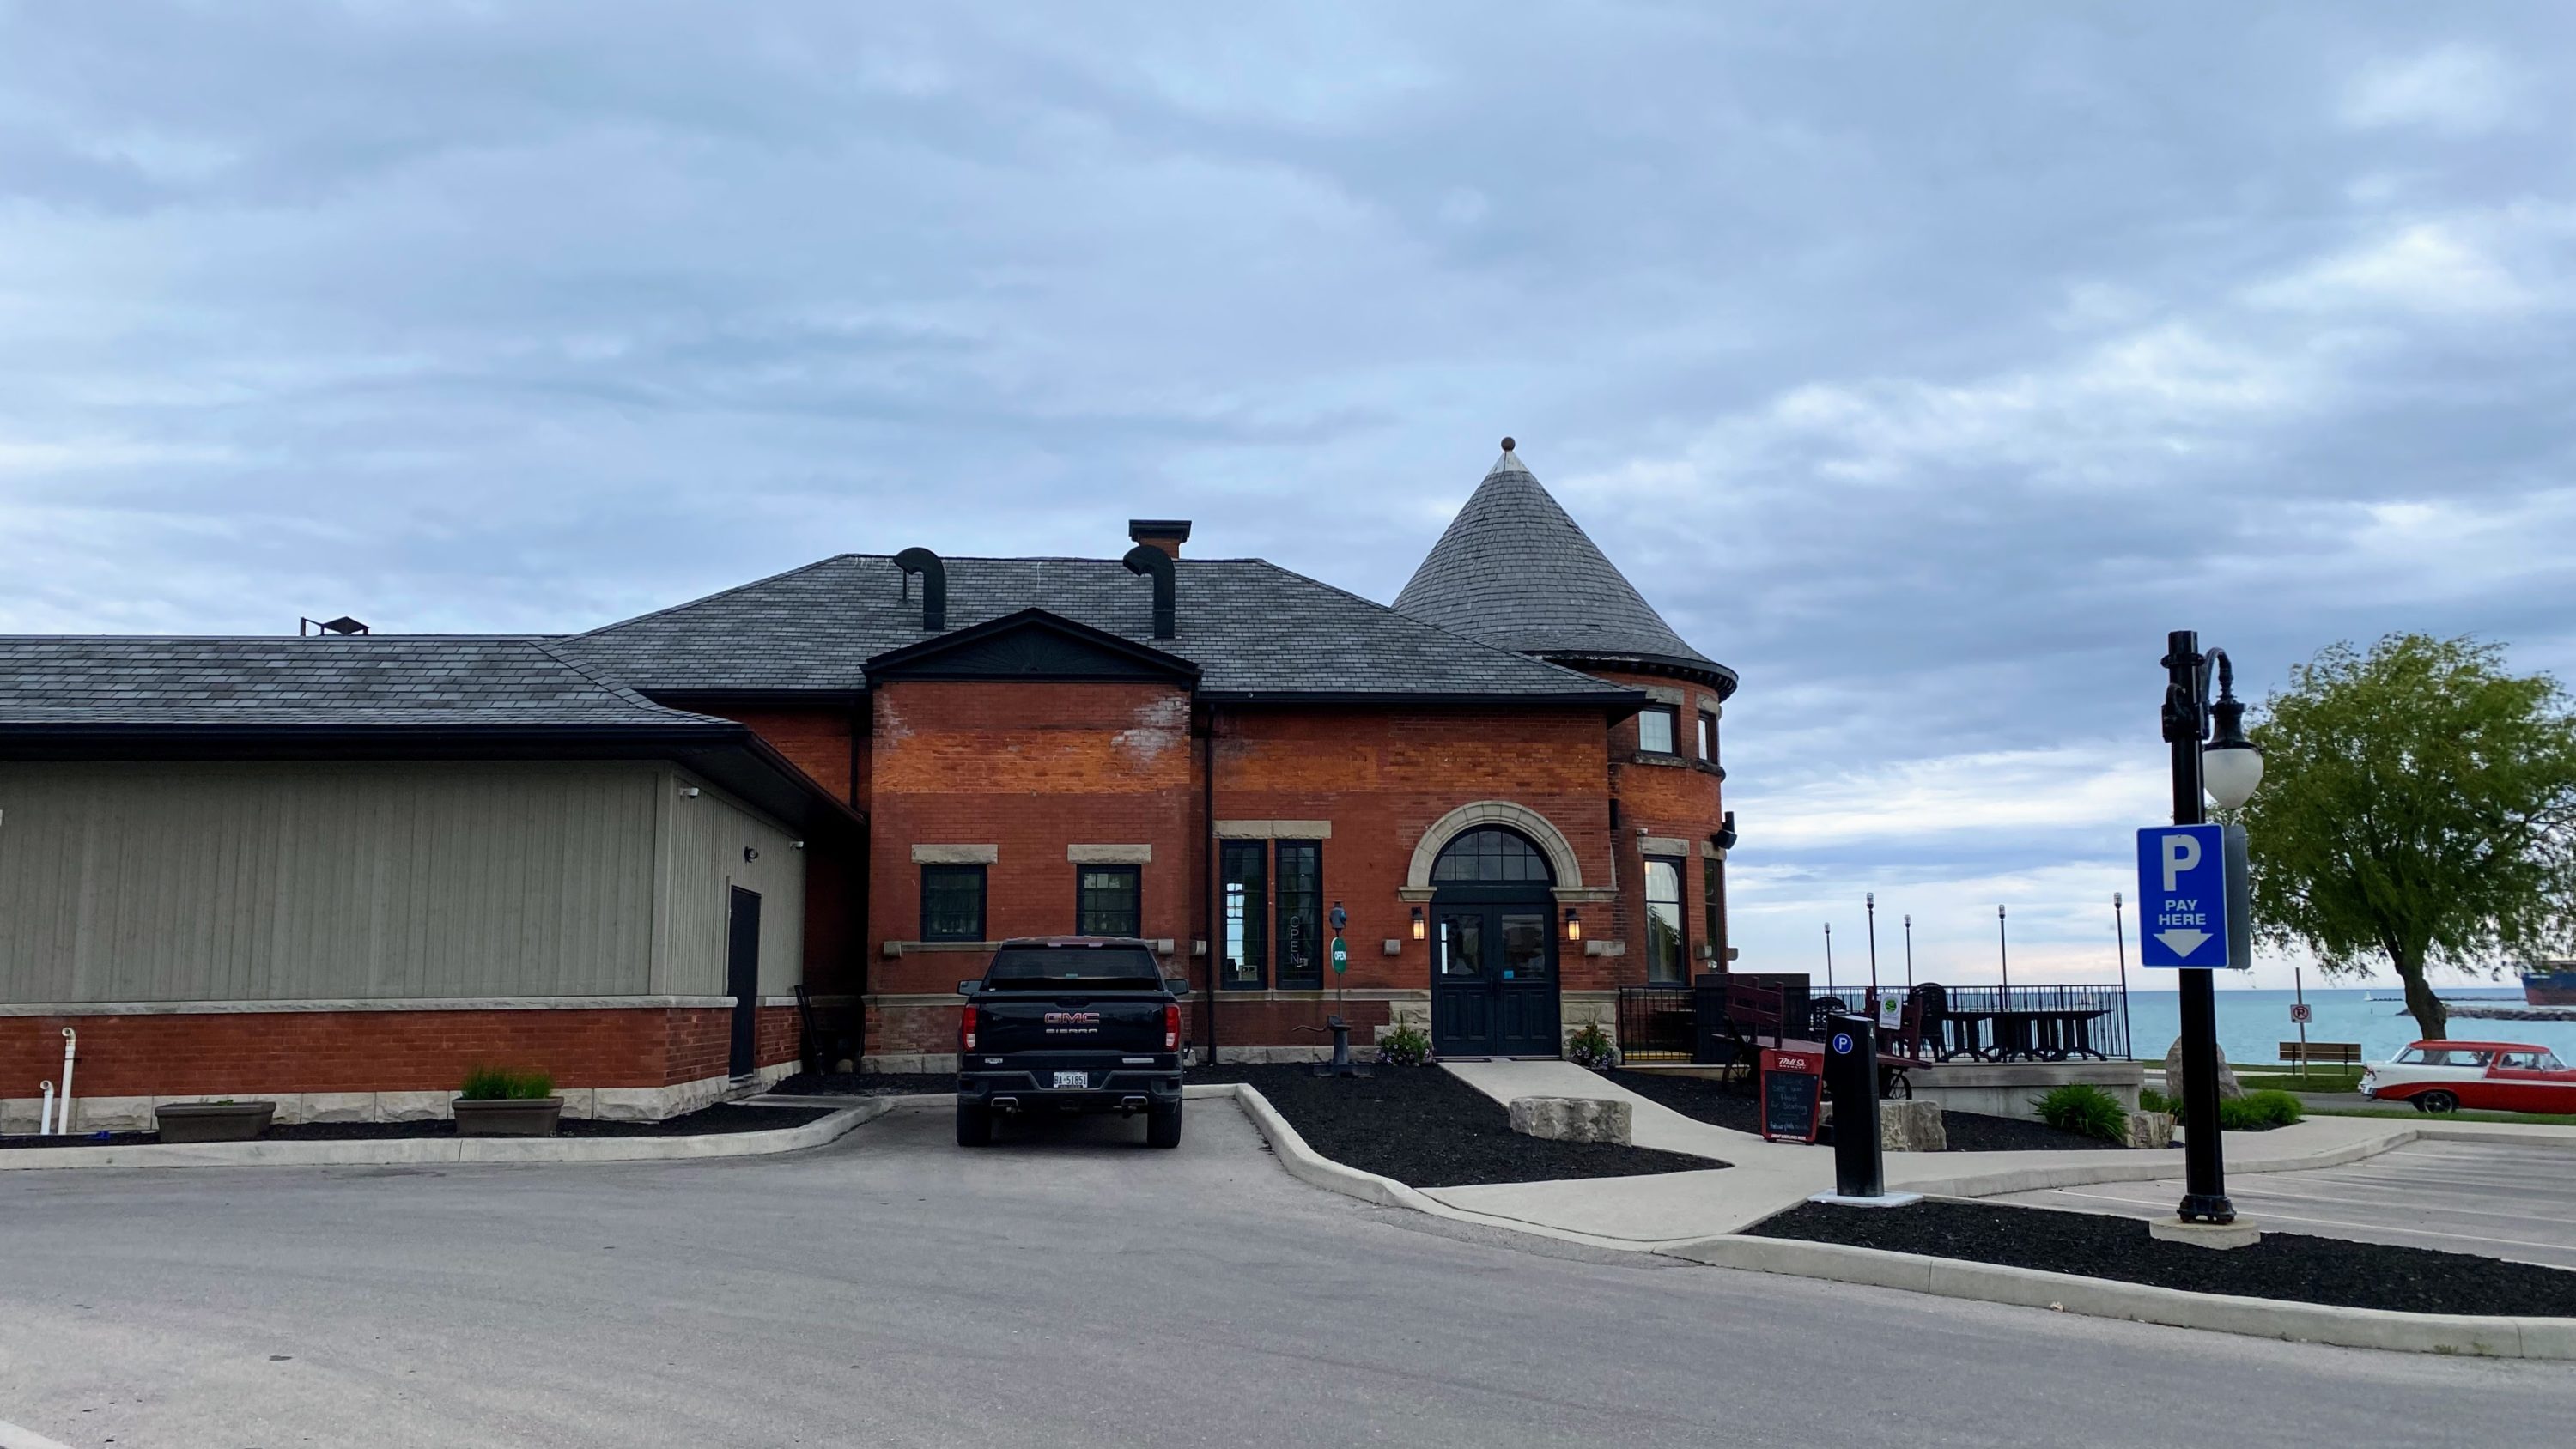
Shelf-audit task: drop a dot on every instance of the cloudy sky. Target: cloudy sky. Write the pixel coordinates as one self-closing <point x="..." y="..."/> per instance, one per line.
<point x="1924" y="363"/>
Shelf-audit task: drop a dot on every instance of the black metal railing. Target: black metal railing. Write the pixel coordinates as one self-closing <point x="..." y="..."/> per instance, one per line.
<point x="1656" y="1024"/>
<point x="2027" y="1023"/>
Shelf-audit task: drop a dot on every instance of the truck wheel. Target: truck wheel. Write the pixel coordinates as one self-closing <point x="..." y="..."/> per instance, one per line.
<point x="974" y="1125"/>
<point x="1162" y="1128"/>
<point x="2437" y="1102"/>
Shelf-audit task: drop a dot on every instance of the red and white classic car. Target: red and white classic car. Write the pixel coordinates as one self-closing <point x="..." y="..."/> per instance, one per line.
<point x="2499" y="1076"/>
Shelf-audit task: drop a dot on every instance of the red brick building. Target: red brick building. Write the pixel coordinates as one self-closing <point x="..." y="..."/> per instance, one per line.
<point x="619" y="853"/>
<point x="1509" y="781"/>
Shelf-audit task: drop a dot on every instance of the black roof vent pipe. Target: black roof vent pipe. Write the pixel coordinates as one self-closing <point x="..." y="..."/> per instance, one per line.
<point x="1144" y="558"/>
<point x="934" y="585"/>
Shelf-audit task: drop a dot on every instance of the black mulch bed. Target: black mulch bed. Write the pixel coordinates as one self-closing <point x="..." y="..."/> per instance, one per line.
<point x="865" y="1084"/>
<point x="1424" y="1127"/>
<point x="2287" y="1266"/>
<point x="1735" y="1108"/>
<point x="720" y="1119"/>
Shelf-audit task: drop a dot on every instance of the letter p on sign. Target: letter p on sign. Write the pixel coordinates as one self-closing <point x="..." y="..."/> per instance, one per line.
<point x="2182" y="855"/>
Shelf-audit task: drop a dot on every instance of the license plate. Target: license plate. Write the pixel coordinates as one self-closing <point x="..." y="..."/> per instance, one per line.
<point x="1073" y="1079"/>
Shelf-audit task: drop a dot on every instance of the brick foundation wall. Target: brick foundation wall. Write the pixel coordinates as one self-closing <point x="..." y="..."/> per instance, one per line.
<point x="178" y="1054"/>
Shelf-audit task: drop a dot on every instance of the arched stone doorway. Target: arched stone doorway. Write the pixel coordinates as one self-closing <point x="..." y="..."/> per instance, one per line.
<point x="1493" y="947"/>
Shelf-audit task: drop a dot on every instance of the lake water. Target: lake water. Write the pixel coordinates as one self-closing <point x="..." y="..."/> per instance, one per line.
<point x="2253" y="1024"/>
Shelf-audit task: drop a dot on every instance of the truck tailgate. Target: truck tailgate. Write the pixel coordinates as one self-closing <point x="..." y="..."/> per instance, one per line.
<point x="1040" y="1021"/>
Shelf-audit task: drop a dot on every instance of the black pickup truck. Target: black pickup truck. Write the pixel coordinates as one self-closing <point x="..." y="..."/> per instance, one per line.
<point x="1070" y="1024"/>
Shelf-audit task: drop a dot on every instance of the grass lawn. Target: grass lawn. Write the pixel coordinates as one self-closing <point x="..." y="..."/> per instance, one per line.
<point x="2543" y="1119"/>
<point x="2319" y="1079"/>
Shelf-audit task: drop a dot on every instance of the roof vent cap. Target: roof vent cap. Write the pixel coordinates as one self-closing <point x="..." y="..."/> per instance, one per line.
<point x="342" y="625"/>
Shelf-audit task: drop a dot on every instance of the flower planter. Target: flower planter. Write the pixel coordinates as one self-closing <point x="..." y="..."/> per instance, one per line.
<point x="214" y="1121"/>
<point x="508" y="1117"/>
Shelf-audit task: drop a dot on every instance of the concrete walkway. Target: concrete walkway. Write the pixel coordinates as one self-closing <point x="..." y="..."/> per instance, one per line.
<point x="1770" y="1177"/>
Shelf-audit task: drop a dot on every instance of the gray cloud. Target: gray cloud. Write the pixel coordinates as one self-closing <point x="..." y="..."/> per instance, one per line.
<point x="1924" y="365"/>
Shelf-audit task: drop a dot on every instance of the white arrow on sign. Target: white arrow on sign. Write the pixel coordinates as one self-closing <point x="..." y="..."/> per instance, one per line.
<point x="2182" y="943"/>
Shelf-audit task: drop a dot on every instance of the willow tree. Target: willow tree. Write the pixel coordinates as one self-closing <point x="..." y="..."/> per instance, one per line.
<point x="2419" y="808"/>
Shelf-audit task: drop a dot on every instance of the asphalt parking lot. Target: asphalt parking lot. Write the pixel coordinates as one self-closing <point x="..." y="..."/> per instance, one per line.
<point x="1062" y="1292"/>
<point x="2499" y="1200"/>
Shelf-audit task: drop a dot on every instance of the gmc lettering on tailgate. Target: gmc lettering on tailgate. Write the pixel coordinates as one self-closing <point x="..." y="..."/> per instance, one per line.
<point x="1072" y="1023"/>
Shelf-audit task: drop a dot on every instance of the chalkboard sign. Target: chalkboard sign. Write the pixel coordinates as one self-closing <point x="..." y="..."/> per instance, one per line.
<point x="1792" y="1087"/>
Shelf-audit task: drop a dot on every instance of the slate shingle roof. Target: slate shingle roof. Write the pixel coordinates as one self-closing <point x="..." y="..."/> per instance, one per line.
<point x="365" y="681"/>
<point x="1255" y="630"/>
<point x="1514" y="569"/>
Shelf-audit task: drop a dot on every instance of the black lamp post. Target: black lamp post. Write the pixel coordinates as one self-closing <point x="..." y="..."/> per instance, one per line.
<point x="2228" y="770"/>
<point x="1869" y="902"/>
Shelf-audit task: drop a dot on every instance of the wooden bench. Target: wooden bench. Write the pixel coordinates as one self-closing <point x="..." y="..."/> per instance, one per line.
<point x="2321" y="1053"/>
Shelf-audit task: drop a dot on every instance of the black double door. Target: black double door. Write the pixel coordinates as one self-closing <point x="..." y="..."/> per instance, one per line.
<point x="1493" y="979"/>
<point x="742" y="977"/>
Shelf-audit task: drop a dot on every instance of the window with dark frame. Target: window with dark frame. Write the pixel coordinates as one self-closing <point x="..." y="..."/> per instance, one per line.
<point x="1301" y="913"/>
<point x="952" y="903"/>
<point x="1244" y="873"/>
<point x="1664" y="939"/>
<point x="1709" y="877"/>
<point x="1109" y="901"/>
<point x="1708" y="737"/>
<point x="1656" y="726"/>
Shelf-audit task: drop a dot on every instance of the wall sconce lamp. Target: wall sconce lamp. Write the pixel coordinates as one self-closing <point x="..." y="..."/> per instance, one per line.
<point x="1573" y="925"/>
<point x="1419" y="928"/>
<point x="749" y="855"/>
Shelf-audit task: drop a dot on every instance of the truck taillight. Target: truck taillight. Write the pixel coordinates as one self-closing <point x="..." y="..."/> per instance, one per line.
<point x="966" y="1028"/>
<point x="1171" y="1027"/>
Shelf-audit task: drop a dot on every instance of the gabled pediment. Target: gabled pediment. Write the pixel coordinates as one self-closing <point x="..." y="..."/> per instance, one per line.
<point x="1030" y="645"/>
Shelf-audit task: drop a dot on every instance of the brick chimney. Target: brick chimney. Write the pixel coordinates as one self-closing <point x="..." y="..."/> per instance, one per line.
<point x="1167" y="534"/>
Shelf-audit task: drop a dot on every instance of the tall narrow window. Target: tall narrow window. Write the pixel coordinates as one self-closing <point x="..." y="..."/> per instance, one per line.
<point x="1301" y="913"/>
<point x="1663" y="921"/>
<point x="1244" y="871"/>
<point x="1108" y="901"/>
<point x="1712" y="889"/>
<point x="1708" y="737"/>
<point x="952" y="903"/>
<point x="1655" y="729"/>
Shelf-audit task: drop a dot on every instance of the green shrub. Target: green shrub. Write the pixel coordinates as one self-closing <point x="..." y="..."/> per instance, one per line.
<point x="2086" y="1110"/>
<point x="2254" y="1112"/>
<point x="2259" y="1112"/>
<point x="1405" y="1045"/>
<point x="501" y="1084"/>
<point x="1591" y="1047"/>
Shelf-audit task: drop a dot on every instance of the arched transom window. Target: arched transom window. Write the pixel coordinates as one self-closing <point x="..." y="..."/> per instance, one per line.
<point x="1490" y="855"/>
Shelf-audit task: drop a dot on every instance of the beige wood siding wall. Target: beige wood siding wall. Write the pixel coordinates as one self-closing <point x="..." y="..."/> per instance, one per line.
<point x="311" y="881"/>
<point x="708" y="835"/>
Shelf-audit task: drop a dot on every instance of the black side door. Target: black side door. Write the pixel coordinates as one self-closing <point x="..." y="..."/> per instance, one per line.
<point x="742" y="975"/>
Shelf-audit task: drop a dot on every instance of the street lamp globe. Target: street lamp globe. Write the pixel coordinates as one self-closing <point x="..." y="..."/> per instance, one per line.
<point x="2230" y="770"/>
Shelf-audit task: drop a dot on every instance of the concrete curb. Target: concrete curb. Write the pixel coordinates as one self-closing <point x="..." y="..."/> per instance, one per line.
<point x="2111" y="1169"/>
<point x="1309" y="1166"/>
<point x="410" y="1151"/>
<point x="2480" y="1335"/>
<point x="13" y="1437"/>
<point x="2486" y="1336"/>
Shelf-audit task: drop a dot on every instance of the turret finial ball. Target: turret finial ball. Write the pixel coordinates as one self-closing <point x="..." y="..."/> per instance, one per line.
<point x="1507" y="445"/>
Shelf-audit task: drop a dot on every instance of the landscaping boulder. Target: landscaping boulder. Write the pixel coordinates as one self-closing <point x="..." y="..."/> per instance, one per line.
<point x="1572" y="1119"/>
<point x="2227" y="1085"/>
<point x="1903" y="1126"/>
<point x="2151" y="1129"/>
<point x="1912" y="1127"/>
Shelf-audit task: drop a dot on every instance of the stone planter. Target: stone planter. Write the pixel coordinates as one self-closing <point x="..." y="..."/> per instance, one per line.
<point x="508" y="1117"/>
<point x="2151" y="1130"/>
<point x="213" y="1121"/>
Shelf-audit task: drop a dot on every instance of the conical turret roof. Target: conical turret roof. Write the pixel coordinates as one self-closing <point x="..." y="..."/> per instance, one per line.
<point x="1514" y="569"/>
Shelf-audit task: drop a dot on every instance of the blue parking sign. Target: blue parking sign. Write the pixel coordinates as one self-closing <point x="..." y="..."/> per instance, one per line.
<point x="2182" y="891"/>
